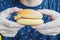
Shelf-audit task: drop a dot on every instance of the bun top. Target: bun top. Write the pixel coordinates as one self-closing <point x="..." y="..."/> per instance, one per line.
<point x="29" y="13"/>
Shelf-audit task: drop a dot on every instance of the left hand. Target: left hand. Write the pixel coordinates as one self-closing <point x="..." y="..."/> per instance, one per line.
<point x="50" y="28"/>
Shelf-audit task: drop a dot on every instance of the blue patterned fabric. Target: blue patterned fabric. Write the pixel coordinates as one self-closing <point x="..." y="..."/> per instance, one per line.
<point x="28" y="33"/>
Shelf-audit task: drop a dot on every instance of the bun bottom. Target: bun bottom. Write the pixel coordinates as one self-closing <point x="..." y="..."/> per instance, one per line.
<point x="30" y="21"/>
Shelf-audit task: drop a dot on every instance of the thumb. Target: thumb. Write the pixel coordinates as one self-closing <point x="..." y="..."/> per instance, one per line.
<point x="16" y="9"/>
<point x="11" y="10"/>
<point x="49" y="12"/>
<point x="6" y="13"/>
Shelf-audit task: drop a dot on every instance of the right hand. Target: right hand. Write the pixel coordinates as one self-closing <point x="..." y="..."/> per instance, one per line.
<point x="7" y="27"/>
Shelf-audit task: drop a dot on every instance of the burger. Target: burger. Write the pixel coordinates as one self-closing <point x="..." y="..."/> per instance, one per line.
<point x="29" y="17"/>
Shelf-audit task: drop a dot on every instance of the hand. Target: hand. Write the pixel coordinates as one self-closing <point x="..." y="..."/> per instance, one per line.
<point x="7" y="27"/>
<point x="50" y="28"/>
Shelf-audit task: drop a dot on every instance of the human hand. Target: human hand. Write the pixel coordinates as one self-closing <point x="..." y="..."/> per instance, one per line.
<point x="52" y="27"/>
<point x="7" y="27"/>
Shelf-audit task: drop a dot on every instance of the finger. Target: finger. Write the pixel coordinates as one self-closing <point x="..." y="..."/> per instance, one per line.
<point x="17" y="9"/>
<point x="11" y="10"/>
<point x="9" y="34"/>
<point x="49" y="12"/>
<point x="4" y="30"/>
<point x="48" y="25"/>
<point x="2" y="27"/>
<point x="9" y="23"/>
<point x="52" y="31"/>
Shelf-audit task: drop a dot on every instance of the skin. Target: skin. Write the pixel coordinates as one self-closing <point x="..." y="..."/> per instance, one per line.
<point x="31" y="3"/>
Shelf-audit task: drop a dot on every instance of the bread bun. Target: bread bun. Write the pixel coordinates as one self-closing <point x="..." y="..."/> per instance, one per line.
<point x="29" y="17"/>
<point x="29" y="13"/>
<point x="30" y="21"/>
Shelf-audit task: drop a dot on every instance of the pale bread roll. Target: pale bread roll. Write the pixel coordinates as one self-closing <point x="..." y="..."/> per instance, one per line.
<point x="29" y="17"/>
<point x="30" y="21"/>
<point x="29" y="13"/>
